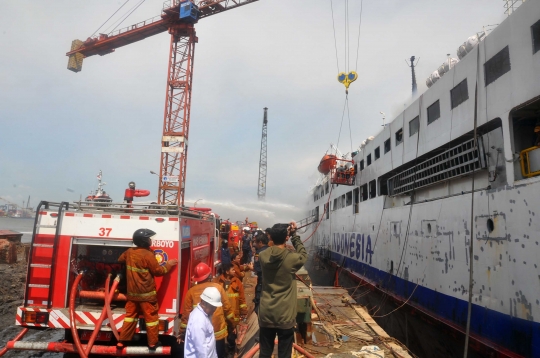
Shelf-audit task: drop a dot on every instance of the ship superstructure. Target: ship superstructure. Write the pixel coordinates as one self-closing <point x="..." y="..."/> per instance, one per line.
<point x="403" y="223"/>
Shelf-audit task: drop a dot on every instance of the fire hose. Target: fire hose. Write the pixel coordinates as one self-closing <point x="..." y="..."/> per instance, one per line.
<point x="109" y="297"/>
<point x="104" y="312"/>
<point x="74" y="333"/>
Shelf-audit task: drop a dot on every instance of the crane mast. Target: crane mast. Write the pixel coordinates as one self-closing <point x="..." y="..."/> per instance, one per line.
<point x="261" y="189"/>
<point x="178" y="18"/>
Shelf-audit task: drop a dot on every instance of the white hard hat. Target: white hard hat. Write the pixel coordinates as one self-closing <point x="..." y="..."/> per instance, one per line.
<point x="246" y="228"/>
<point x="212" y="296"/>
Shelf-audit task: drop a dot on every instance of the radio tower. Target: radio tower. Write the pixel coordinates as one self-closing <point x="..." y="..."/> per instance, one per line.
<point x="412" y="66"/>
<point x="261" y="188"/>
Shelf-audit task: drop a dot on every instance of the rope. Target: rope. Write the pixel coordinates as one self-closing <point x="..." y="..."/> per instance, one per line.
<point x="109" y="18"/>
<point x="345" y="105"/>
<point x="471" y="246"/>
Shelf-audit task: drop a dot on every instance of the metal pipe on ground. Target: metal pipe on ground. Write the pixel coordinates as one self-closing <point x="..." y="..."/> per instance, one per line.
<point x="102" y="350"/>
<point x="17" y="338"/>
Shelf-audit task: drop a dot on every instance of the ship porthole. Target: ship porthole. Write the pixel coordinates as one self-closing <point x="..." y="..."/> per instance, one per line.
<point x="490" y="225"/>
<point x="429" y="228"/>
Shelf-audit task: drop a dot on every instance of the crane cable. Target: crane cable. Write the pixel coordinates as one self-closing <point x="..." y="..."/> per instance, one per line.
<point x="128" y="15"/>
<point x="109" y="18"/>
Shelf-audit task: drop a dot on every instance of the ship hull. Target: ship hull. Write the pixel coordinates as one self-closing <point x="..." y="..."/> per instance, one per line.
<point x="392" y="250"/>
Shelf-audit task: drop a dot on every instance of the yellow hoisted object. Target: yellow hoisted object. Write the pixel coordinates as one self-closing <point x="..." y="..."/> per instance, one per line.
<point x="347" y="79"/>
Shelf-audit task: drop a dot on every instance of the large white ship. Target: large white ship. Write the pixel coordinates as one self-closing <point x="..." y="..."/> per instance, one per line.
<point x="400" y="218"/>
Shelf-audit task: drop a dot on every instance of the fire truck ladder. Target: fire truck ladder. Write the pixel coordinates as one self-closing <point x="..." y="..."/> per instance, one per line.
<point x="46" y="262"/>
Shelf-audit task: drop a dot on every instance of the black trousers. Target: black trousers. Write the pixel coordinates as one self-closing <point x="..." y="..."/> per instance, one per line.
<point x="220" y="348"/>
<point x="285" y="342"/>
<point x="246" y="256"/>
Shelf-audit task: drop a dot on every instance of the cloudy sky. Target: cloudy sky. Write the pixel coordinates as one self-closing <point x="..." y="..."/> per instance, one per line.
<point x="58" y="128"/>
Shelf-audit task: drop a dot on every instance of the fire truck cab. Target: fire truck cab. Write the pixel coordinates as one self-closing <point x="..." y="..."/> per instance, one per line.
<point x="73" y="264"/>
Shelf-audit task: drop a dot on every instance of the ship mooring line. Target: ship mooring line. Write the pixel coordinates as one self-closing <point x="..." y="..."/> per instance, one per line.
<point x="471" y="239"/>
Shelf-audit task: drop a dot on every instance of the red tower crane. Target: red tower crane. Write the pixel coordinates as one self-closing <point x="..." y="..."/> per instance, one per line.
<point x="178" y="18"/>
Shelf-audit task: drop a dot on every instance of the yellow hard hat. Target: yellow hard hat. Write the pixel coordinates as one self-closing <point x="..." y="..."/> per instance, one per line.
<point x="536" y="129"/>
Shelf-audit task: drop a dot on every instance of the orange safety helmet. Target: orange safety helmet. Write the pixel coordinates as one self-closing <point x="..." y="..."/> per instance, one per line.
<point x="536" y="129"/>
<point x="202" y="271"/>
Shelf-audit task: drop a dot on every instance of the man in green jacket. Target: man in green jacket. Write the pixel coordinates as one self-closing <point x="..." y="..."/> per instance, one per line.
<point x="277" y="310"/>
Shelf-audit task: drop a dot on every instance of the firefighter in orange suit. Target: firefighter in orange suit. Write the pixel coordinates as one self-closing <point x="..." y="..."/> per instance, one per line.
<point x="235" y="290"/>
<point x="220" y="318"/>
<point x="141" y="267"/>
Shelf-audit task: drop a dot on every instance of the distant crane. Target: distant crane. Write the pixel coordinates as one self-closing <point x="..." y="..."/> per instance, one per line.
<point x="412" y="66"/>
<point x="178" y="18"/>
<point x="261" y="189"/>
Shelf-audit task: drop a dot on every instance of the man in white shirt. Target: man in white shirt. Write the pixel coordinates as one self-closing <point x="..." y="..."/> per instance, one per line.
<point x="200" y="341"/>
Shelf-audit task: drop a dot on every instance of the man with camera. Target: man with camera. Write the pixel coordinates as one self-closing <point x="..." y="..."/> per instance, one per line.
<point x="277" y="310"/>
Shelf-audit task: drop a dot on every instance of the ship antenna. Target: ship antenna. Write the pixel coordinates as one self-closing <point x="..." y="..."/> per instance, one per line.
<point x="412" y="66"/>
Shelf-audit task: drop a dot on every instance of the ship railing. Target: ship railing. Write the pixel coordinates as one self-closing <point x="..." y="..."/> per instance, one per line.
<point x="307" y="221"/>
<point x="530" y="162"/>
<point x="135" y="208"/>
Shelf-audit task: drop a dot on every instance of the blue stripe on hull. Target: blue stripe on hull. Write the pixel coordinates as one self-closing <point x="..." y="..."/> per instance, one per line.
<point x="516" y="334"/>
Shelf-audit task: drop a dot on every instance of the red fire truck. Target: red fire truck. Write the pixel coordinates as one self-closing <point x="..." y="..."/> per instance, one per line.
<point x="75" y="283"/>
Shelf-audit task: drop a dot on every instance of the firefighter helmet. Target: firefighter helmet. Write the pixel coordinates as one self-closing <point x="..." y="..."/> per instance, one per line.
<point x="202" y="271"/>
<point x="142" y="237"/>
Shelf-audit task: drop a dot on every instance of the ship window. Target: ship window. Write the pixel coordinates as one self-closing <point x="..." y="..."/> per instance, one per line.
<point x="363" y="192"/>
<point x="349" y="198"/>
<point x="414" y="125"/>
<point x="368" y="160"/>
<point x="335" y="204"/>
<point x="362" y="164"/>
<point x="356" y="194"/>
<point x="377" y="153"/>
<point x="342" y="201"/>
<point x="459" y="94"/>
<point x="399" y="137"/>
<point x="383" y="187"/>
<point x="497" y="66"/>
<point x="372" y="189"/>
<point x="433" y="112"/>
<point x="326" y="188"/>
<point x="387" y="146"/>
<point x="535" y="30"/>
